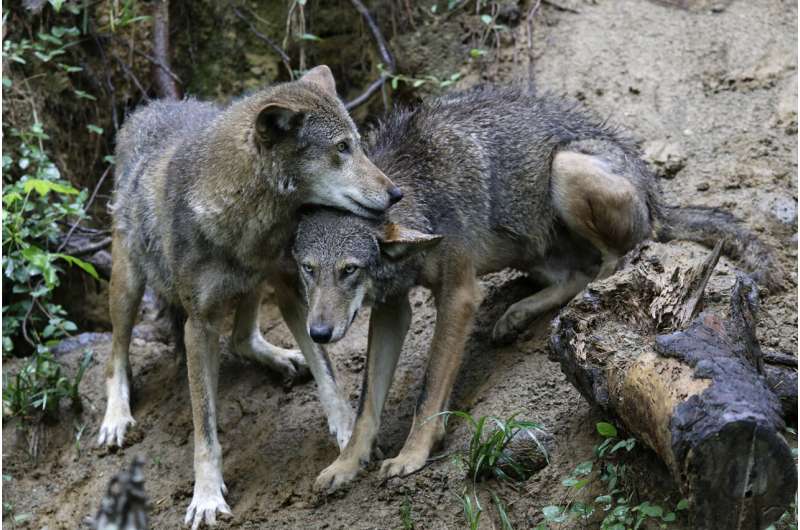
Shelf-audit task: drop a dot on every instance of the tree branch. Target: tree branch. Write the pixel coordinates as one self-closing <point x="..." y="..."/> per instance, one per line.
<point x="383" y="50"/>
<point x="166" y="87"/>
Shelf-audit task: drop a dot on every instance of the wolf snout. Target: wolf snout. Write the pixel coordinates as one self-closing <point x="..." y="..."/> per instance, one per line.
<point x="321" y="333"/>
<point x="395" y="194"/>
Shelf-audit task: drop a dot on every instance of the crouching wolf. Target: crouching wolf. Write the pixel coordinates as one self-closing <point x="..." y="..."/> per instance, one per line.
<point x="493" y="178"/>
<point x="205" y="202"/>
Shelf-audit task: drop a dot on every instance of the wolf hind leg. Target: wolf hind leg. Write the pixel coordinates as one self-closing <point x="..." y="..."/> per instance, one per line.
<point x="126" y="290"/>
<point x="248" y="341"/>
<point x="601" y="205"/>
<point x="522" y="313"/>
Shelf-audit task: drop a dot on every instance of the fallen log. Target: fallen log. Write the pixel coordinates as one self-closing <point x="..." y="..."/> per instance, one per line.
<point x="692" y="387"/>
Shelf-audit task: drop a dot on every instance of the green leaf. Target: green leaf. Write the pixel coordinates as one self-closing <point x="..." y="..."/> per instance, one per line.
<point x="95" y="129"/>
<point x="86" y="266"/>
<point x="650" y="510"/>
<point x="669" y="517"/>
<point x="418" y="83"/>
<point x="84" y="95"/>
<point x="682" y="504"/>
<point x="552" y="513"/>
<point x="584" y="468"/>
<point x="486" y="19"/>
<point x="476" y="52"/>
<point x="606" y="430"/>
<point x="43" y="187"/>
<point x="310" y="36"/>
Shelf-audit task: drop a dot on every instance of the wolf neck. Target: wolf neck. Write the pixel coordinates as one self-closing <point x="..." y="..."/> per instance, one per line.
<point x="241" y="192"/>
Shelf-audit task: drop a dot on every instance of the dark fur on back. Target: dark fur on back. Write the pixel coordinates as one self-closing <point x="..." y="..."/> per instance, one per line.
<point x="475" y="167"/>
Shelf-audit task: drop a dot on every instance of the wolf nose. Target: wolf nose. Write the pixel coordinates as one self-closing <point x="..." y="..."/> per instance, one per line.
<point x="321" y="333"/>
<point x="395" y="194"/>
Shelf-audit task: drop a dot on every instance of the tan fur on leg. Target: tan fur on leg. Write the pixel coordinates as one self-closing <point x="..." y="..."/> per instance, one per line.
<point x="388" y="326"/>
<point x="125" y="293"/>
<point x="457" y="300"/>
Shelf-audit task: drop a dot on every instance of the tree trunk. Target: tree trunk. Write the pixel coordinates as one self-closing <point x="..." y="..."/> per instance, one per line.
<point x="693" y="388"/>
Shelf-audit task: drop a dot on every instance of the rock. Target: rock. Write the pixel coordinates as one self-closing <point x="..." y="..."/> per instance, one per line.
<point x="666" y="158"/>
<point x="703" y="186"/>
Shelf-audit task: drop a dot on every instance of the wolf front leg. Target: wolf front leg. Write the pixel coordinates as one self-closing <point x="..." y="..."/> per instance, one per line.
<point x="202" y="359"/>
<point x="388" y="326"/>
<point x="249" y="343"/>
<point x="126" y="289"/>
<point x="337" y="409"/>
<point x="456" y="302"/>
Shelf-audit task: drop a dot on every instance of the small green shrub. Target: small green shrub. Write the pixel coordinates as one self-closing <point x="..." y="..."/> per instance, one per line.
<point x="37" y="389"/>
<point x="615" y="502"/>
<point x="486" y="455"/>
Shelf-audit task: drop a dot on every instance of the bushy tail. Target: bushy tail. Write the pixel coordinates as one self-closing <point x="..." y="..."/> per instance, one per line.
<point x="710" y="225"/>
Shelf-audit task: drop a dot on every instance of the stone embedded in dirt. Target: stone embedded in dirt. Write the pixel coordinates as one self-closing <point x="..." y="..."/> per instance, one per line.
<point x="666" y="158"/>
<point x="703" y="186"/>
<point x="529" y="450"/>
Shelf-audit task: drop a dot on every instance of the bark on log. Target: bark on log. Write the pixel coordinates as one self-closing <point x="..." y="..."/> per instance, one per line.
<point x="691" y="387"/>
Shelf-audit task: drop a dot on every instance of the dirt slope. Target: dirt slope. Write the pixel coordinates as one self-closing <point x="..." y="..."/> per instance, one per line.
<point x="717" y="90"/>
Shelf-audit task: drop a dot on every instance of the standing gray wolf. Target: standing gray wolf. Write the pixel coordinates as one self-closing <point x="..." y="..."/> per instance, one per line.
<point x="493" y="178"/>
<point x="205" y="201"/>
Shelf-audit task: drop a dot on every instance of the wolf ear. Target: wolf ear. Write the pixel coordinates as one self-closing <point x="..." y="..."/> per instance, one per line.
<point x="322" y="77"/>
<point x="276" y="121"/>
<point x="398" y="242"/>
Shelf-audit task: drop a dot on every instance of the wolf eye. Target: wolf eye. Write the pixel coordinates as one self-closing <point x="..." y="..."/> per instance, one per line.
<point x="349" y="269"/>
<point x="309" y="269"/>
<point x="342" y="147"/>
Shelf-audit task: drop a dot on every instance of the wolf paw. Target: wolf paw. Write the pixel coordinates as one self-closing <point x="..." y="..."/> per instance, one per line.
<point x="289" y="363"/>
<point x="336" y="475"/>
<point x="113" y="428"/>
<point x="402" y="465"/>
<point x="205" y="505"/>
<point x="506" y="330"/>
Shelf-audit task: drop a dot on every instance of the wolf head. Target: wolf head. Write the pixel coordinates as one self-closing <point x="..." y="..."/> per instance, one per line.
<point x="343" y="263"/>
<point x="309" y="147"/>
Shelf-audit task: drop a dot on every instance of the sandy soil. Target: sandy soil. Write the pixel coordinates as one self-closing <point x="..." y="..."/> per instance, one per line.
<point x="714" y="92"/>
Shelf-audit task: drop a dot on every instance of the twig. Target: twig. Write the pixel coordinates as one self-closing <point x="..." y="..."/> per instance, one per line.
<point x="531" y="14"/>
<point x="271" y="43"/>
<point x="166" y="87"/>
<point x="383" y="48"/>
<point x="88" y="204"/>
<point x="371" y="89"/>
<point x="385" y="54"/>
<point x="164" y="67"/>
<point x="131" y="76"/>
<point x="91" y="248"/>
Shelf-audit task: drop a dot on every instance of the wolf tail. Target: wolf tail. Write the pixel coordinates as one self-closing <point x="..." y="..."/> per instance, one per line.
<point x="708" y="226"/>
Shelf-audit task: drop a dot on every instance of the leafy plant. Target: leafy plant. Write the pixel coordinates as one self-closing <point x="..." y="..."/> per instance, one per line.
<point x="486" y="455"/>
<point x="417" y="82"/>
<point x="405" y="514"/>
<point x="37" y="389"/>
<point x="36" y="203"/>
<point x="615" y="503"/>
<point x="472" y="509"/>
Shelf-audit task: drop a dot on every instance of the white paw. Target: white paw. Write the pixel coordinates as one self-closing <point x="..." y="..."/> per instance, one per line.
<point x="336" y="475"/>
<point x="206" y="503"/>
<point x="113" y="429"/>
